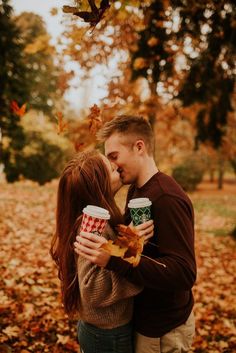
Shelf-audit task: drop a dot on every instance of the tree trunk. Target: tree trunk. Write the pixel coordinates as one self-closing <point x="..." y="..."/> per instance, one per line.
<point x="220" y="172"/>
<point x="211" y="172"/>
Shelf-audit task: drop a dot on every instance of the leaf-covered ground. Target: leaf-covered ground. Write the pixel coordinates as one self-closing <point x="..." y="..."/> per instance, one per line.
<point x="31" y="317"/>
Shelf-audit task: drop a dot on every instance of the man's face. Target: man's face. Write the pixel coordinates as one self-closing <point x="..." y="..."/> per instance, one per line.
<point x="120" y="151"/>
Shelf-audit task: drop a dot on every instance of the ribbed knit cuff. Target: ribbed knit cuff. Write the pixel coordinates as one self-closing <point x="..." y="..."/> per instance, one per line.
<point x="118" y="265"/>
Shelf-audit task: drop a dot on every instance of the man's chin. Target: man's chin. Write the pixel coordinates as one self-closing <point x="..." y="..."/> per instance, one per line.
<point x="125" y="182"/>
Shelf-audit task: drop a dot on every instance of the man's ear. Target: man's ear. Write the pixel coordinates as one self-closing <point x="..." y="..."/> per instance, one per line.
<point x="140" y="146"/>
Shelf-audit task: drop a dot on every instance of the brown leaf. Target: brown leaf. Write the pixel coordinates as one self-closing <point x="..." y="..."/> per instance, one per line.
<point x="62" y="126"/>
<point x="95" y="120"/>
<point x="128" y="245"/>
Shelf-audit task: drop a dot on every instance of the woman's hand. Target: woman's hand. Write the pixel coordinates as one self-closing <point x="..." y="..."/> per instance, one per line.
<point x="89" y="245"/>
<point x="145" y="230"/>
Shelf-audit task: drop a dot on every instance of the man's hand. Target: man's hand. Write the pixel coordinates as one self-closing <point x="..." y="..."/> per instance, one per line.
<point x="89" y="245"/>
<point x="145" y="229"/>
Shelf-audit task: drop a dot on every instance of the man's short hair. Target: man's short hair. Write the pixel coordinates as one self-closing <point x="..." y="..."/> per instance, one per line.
<point x="127" y="125"/>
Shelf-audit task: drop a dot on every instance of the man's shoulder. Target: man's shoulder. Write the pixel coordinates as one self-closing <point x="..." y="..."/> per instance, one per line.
<point x="164" y="185"/>
<point x="169" y="184"/>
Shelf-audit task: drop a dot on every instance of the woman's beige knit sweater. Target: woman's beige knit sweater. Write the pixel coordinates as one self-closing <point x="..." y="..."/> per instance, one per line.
<point x="106" y="299"/>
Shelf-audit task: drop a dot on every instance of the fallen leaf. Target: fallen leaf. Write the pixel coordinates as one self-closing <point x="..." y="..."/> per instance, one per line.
<point x="12" y="331"/>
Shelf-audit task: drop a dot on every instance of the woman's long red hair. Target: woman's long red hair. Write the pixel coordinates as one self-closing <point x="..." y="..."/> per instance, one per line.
<point x="84" y="181"/>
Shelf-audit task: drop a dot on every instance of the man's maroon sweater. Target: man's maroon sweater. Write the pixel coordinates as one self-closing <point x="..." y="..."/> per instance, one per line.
<point x="167" y="300"/>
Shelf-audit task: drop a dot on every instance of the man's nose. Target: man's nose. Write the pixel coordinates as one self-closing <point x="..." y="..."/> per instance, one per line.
<point x="119" y="169"/>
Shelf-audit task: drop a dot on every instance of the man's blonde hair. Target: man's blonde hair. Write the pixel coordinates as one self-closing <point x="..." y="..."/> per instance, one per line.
<point x="128" y="125"/>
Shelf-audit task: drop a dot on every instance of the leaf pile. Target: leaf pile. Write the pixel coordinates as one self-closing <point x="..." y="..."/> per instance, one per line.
<point x="32" y="319"/>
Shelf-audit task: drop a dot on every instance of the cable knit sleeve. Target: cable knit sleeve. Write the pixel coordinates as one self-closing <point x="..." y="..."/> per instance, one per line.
<point x="102" y="287"/>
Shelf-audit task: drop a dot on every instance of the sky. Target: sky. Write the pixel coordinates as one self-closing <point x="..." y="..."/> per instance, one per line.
<point x="43" y="7"/>
<point x="88" y="92"/>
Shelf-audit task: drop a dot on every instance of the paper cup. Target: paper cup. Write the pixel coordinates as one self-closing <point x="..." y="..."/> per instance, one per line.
<point x="94" y="219"/>
<point x="140" y="210"/>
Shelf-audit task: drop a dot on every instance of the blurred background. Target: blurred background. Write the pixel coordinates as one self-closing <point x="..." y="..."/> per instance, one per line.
<point x="64" y="71"/>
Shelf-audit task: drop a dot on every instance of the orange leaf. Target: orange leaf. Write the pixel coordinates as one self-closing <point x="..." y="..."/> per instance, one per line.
<point x="62" y="126"/>
<point x="19" y="111"/>
<point x="95" y="121"/>
<point x="128" y="245"/>
<point x="127" y="236"/>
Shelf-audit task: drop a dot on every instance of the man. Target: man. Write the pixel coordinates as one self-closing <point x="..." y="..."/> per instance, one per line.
<point x="163" y="318"/>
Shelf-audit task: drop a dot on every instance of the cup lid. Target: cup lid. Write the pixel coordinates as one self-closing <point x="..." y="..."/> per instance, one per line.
<point x="97" y="212"/>
<point x="139" y="202"/>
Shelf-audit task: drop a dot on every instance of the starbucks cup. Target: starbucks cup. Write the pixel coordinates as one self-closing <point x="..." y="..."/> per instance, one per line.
<point x="140" y="210"/>
<point x="94" y="219"/>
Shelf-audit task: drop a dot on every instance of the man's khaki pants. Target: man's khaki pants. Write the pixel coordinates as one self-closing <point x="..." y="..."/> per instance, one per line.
<point x="179" y="340"/>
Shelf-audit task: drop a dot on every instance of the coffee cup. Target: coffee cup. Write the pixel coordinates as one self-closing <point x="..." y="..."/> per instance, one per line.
<point x="94" y="219"/>
<point x="140" y="210"/>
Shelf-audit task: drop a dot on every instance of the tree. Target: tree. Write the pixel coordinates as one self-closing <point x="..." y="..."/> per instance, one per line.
<point x="28" y="74"/>
<point x="184" y="49"/>
<point x="12" y="76"/>
<point x="44" y="78"/>
<point x="204" y="38"/>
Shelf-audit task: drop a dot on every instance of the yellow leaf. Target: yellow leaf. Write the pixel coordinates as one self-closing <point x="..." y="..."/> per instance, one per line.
<point x="11" y="331"/>
<point x="140" y="63"/>
<point x="113" y="249"/>
<point x="54" y="11"/>
<point x="153" y="41"/>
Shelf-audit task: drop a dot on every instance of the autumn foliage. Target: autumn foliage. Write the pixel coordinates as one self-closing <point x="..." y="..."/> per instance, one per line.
<point x="32" y="317"/>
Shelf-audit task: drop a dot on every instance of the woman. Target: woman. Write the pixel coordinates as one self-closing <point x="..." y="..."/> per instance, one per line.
<point x="102" y="298"/>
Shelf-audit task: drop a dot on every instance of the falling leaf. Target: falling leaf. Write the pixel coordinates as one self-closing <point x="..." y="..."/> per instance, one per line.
<point x="62" y="126"/>
<point x="153" y="41"/>
<point x="140" y="63"/>
<point x="94" y="16"/>
<point x="95" y="120"/>
<point x="54" y="11"/>
<point x="19" y="111"/>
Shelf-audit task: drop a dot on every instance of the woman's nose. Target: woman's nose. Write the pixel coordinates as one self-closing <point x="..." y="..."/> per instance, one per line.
<point x="114" y="166"/>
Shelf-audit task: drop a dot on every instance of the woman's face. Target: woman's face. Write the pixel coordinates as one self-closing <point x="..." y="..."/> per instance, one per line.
<point x="115" y="180"/>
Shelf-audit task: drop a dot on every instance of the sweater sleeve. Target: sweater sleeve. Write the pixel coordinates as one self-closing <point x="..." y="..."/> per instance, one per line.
<point x="173" y="220"/>
<point x="101" y="287"/>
